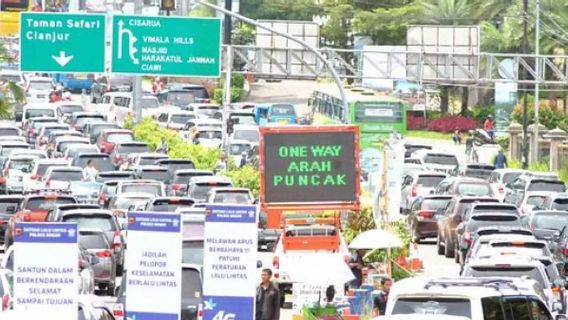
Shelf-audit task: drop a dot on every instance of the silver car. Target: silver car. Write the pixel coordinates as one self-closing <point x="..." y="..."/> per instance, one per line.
<point x="104" y="262"/>
<point x="419" y="183"/>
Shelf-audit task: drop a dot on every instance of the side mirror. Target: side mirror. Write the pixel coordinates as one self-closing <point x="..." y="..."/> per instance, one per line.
<point x="259" y="264"/>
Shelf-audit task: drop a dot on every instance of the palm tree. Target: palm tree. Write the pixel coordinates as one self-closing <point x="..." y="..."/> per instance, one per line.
<point x="448" y="12"/>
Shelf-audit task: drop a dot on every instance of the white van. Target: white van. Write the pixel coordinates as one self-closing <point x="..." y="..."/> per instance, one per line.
<point x="35" y="110"/>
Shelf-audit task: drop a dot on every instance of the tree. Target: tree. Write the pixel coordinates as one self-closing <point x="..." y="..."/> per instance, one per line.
<point x="387" y="26"/>
<point x="448" y="12"/>
<point x="302" y="10"/>
<point x="10" y="92"/>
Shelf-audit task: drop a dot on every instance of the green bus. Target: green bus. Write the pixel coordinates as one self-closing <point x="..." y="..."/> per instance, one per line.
<point x="377" y="115"/>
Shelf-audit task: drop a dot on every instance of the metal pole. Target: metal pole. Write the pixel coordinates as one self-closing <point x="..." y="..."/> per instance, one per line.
<point x="524" y="76"/>
<point x="227" y="99"/>
<point x="228" y="23"/>
<point x="535" y="149"/>
<point x="334" y="73"/>
<point x="137" y="90"/>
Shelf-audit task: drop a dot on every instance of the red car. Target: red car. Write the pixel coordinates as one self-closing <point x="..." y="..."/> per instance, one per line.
<point x="110" y="137"/>
<point x="34" y="208"/>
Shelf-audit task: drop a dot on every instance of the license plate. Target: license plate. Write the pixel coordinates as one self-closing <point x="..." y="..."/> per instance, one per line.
<point x="263" y="247"/>
<point x="283" y="121"/>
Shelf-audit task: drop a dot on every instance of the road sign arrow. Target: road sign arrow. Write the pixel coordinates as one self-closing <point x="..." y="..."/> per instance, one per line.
<point x="62" y="59"/>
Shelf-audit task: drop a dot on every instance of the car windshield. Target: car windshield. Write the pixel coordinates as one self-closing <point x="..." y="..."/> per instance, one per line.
<point x="100" y="127"/>
<point x="200" y="191"/>
<point x="429" y="181"/>
<point x="283" y="110"/>
<point x="433" y="305"/>
<point x="86" y="188"/>
<point x="434" y="204"/>
<point x="9" y="132"/>
<point x="181" y="118"/>
<point x="83" y="120"/>
<point x="241" y="197"/>
<point x="478" y="221"/>
<point x="93" y="241"/>
<point x="248" y="135"/>
<point x="46" y="204"/>
<point x="41" y="85"/>
<point x="441" y="159"/>
<point x="103" y="223"/>
<point x="154" y="189"/>
<point x="86" y="148"/>
<point x="474" y="189"/>
<point x="7" y="150"/>
<point x="185" y="177"/>
<point x="546" y="186"/>
<point x="168" y="207"/>
<point x="48" y="130"/>
<point x="510" y="271"/>
<point x="210" y="134"/>
<point x="71" y="108"/>
<point x="536" y="201"/>
<point x="126" y="149"/>
<point x="242" y="119"/>
<point x="143" y="161"/>
<point x="36" y="113"/>
<point x="551" y="221"/>
<point x="66" y="175"/>
<point x="42" y="168"/>
<point x="120" y="137"/>
<point x="158" y="175"/>
<point x="510" y="177"/>
<point x="146" y="103"/>
<point x="478" y="173"/>
<point x="180" y="99"/>
<point x="101" y="163"/>
<point x="173" y="167"/>
<point x="9" y="206"/>
<point x="238" y="149"/>
<point x="24" y="165"/>
<point x="126" y="203"/>
<point x="560" y="204"/>
<point x="190" y="284"/>
<point x="192" y="252"/>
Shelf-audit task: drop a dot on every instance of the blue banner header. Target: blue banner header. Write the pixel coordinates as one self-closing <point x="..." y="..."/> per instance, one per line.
<point x="154" y="222"/>
<point x="230" y="213"/>
<point x="45" y="232"/>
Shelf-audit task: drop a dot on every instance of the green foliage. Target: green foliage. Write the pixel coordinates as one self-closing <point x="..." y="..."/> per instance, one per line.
<point x="237" y="85"/>
<point x="151" y="133"/>
<point x="243" y="34"/>
<point x="128" y="122"/>
<point x="547" y="117"/>
<point x="246" y="177"/>
<point x="387" y="25"/>
<point x="563" y="174"/>
<point x="431" y="115"/>
<point x="480" y="113"/>
<point x="429" y="135"/>
<point x="541" y="166"/>
<point x="204" y="11"/>
<point x="503" y="141"/>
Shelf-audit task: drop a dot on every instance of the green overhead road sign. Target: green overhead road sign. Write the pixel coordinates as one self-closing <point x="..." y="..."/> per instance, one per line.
<point x="166" y="46"/>
<point x="59" y="42"/>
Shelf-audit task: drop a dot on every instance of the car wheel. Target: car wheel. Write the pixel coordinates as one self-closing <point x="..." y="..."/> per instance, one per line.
<point x="110" y="289"/>
<point x="449" y="250"/>
<point x="439" y="246"/>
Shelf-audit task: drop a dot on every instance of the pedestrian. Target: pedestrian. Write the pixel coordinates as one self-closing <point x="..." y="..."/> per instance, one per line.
<point x="90" y="172"/>
<point x="163" y="146"/>
<point x="456" y="137"/>
<point x="244" y="159"/>
<point x="356" y="264"/>
<point x="267" y="298"/>
<point x="500" y="160"/>
<point x="488" y="126"/>
<point x="380" y="302"/>
<point x="469" y="145"/>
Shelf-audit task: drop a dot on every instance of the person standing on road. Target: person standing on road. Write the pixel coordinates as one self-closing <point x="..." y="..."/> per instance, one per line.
<point x="380" y="303"/>
<point x="162" y="147"/>
<point x="267" y="298"/>
<point x="90" y="172"/>
<point x="356" y="264"/>
<point x="488" y="127"/>
<point x="244" y="159"/>
<point x="500" y="160"/>
<point x="469" y="146"/>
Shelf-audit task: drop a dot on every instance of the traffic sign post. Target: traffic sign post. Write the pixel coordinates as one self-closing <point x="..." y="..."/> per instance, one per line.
<point x="166" y="46"/>
<point x="57" y="42"/>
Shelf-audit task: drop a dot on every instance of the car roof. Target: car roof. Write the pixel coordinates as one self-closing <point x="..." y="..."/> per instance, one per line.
<point x="189" y="171"/>
<point x="92" y="154"/>
<point x="133" y="143"/>
<point x="230" y="189"/>
<point x="112" y="131"/>
<point x="151" y="155"/>
<point x="151" y="168"/>
<point x="174" y="161"/>
<point x="68" y="168"/>
<point x="511" y="260"/>
<point x="203" y="179"/>
<point x="174" y="199"/>
<point x="87" y="212"/>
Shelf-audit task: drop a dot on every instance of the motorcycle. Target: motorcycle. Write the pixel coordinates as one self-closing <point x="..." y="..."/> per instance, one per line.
<point x="481" y="137"/>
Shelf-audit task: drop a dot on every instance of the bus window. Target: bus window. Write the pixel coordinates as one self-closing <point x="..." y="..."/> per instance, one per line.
<point x="378" y="112"/>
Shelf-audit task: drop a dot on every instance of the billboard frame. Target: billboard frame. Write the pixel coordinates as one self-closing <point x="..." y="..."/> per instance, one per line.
<point x="310" y="206"/>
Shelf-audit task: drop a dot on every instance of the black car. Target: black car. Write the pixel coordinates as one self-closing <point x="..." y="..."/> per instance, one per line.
<point x="191" y="292"/>
<point x="110" y="83"/>
<point x="199" y="92"/>
<point x="8" y="206"/>
<point x="423" y="215"/>
<point x="545" y="223"/>
<point x="466" y="230"/>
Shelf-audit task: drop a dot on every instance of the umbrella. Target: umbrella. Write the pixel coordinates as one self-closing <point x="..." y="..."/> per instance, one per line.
<point x="320" y="269"/>
<point x="376" y="239"/>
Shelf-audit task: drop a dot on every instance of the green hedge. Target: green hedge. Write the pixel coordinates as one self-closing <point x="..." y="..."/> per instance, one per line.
<point x="203" y="158"/>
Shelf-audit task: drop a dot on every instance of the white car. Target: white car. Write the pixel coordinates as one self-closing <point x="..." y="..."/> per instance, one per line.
<point x="14" y="170"/>
<point x="36" y="110"/>
<point x="39" y="88"/>
<point x="510" y="298"/>
<point x="34" y="181"/>
<point x="60" y="178"/>
<point x="209" y="137"/>
<point x="531" y="200"/>
<point x="246" y="132"/>
<point x="500" y="178"/>
<point x="175" y="120"/>
<point x="190" y="128"/>
<point x="238" y="148"/>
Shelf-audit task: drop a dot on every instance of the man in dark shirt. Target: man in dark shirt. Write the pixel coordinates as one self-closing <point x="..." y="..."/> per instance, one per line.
<point x="267" y="298"/>
<point x="380" y="303"/>
<point x="356" y="264"/>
